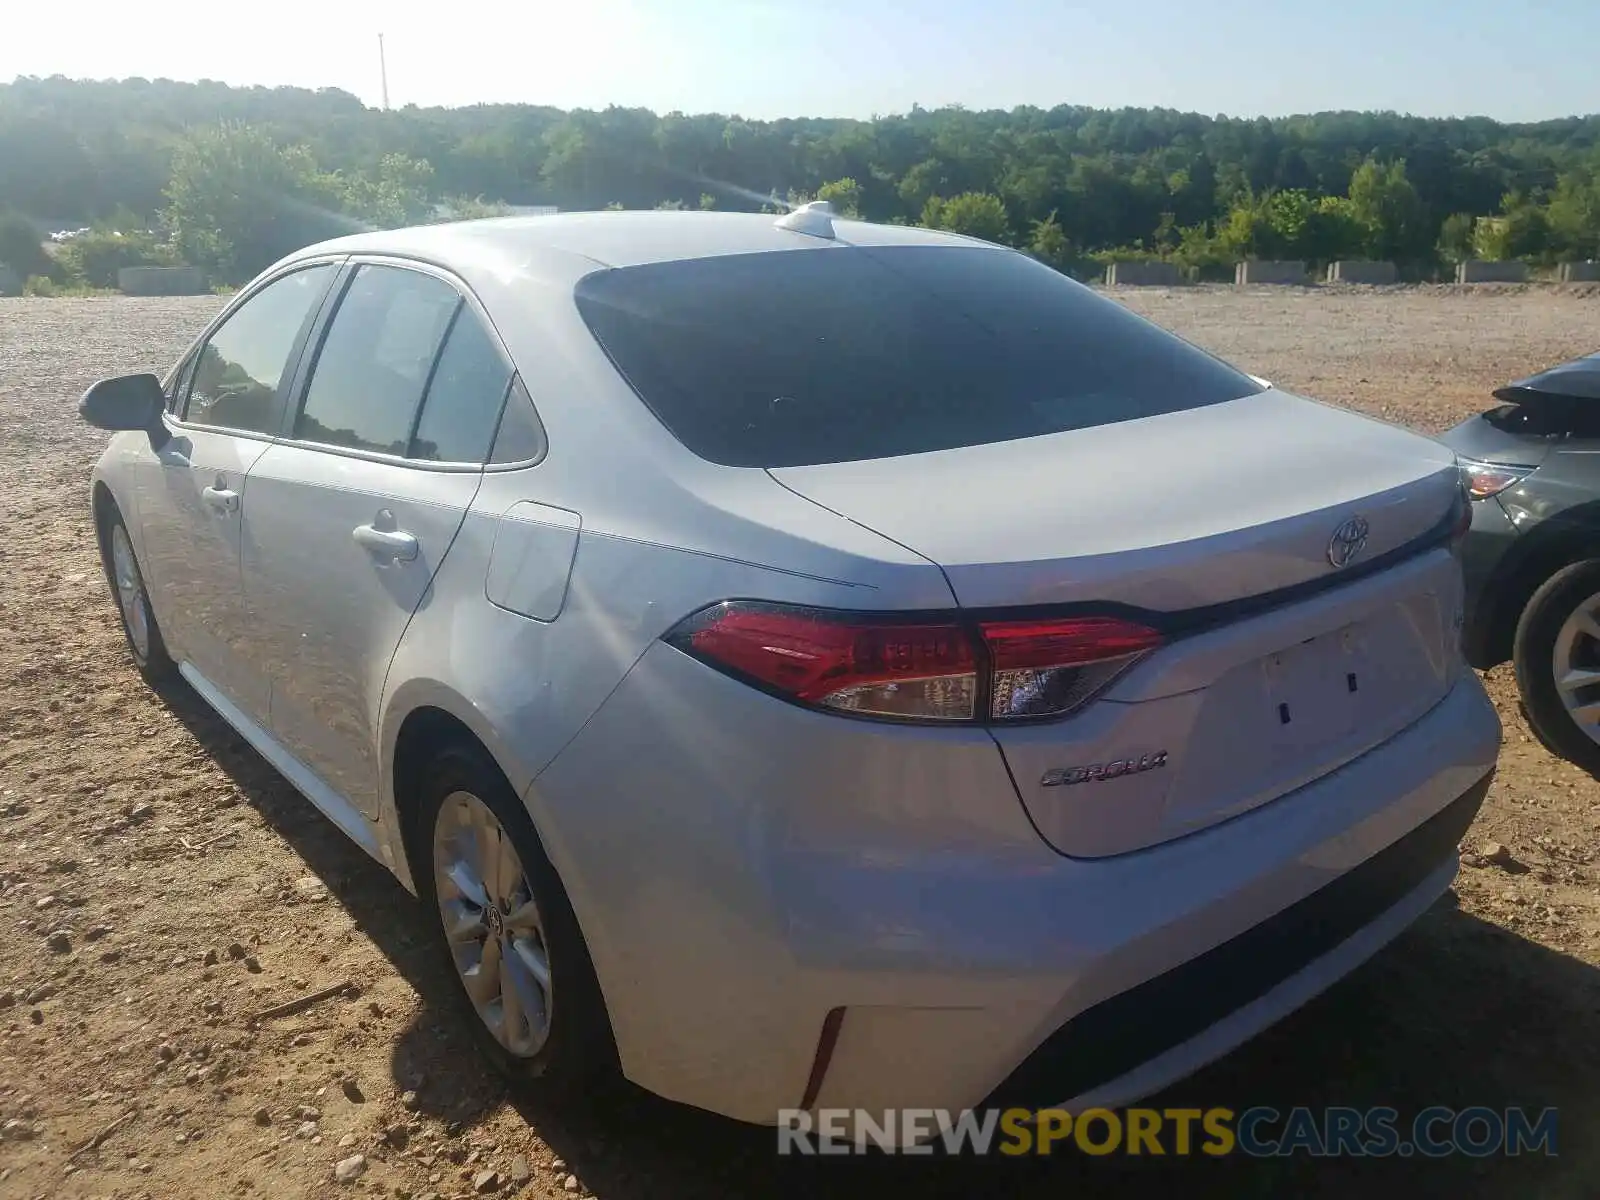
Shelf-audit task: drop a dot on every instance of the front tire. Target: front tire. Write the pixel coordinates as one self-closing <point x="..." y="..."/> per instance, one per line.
<point x="139" y="626"/>
<point x="504" y="928"/>
<point x="1556" y="653"/>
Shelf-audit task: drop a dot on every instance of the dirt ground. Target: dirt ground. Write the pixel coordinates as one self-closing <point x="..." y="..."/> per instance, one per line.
<point x="192" y="887"/>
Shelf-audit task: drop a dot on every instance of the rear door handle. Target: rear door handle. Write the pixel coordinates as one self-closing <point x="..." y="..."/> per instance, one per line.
<point x="394" y="544"/>
<point x="221" y="498"/>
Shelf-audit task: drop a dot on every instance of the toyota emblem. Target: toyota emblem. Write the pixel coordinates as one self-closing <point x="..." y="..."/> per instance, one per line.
<point x="1348" y="541"/>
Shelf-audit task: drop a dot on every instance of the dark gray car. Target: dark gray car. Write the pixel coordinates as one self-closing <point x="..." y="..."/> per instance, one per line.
<point x="1532" y="558"/>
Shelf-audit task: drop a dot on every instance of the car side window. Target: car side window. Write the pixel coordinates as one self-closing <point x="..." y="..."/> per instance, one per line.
<point x="376" y="359"/>
<point x="236" y="376"/>
<point x="179" y="389"/>
<point x="464" y="397"/>
<point x="521" y="435"/>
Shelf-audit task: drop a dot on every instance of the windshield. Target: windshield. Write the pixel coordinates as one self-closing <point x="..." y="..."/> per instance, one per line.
<point x="841" y="353"/>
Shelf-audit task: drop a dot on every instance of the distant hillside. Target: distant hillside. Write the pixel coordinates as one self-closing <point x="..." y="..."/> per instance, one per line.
<point x="1133" y="178"/>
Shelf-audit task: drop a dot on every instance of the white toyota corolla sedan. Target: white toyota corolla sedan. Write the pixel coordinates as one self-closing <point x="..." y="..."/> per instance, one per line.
<point x="806" y="663"/>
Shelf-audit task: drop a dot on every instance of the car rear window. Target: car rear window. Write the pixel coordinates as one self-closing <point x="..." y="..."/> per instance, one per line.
<point x="842" y="353"/>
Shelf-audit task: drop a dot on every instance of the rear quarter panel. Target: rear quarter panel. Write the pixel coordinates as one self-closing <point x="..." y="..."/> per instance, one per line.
<point x="525" y="686"/>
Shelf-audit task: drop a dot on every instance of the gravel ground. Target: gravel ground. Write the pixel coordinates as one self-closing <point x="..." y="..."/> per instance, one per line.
<point x="159" y="884"/>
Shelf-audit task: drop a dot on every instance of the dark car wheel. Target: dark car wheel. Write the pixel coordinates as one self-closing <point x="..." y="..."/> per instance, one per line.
<point x="1556" y="652"/>
<point x="133" y="602"/>
<point x="504" y="928"/>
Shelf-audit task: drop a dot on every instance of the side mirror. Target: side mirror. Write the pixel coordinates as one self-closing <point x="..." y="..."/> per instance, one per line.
<point x="126" y="402"/>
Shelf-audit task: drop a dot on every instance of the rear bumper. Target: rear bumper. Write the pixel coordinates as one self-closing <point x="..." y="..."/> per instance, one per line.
<point x="1163" y="1029"/>
<point x="741" y="868"/>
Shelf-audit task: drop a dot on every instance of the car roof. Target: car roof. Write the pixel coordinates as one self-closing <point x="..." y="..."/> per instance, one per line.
<point x="583" y="242"/>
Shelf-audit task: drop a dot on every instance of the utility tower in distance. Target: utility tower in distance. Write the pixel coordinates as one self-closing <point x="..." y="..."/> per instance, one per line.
<point x="383" y="73"/>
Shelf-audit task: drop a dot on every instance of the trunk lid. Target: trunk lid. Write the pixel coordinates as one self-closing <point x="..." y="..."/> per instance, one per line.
<point x="1181" y="511"/>
<point x="1534" y="413"/>
<point x="1510" y="435"/>
<point x="1578" y="380"/>
<point x="1193" y="510"/>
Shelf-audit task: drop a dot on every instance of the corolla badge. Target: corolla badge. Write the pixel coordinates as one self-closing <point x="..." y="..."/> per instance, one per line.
<point x="1348" y="541"/>
<point x="1094" y="772"/>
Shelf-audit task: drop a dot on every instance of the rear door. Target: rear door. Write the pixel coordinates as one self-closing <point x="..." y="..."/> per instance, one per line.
<point x="225" y="405"/>
<point x="353" y="511"/>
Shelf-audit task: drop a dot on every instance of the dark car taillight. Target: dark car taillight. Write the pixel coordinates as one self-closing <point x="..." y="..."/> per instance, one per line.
<point x="910" y="668"/>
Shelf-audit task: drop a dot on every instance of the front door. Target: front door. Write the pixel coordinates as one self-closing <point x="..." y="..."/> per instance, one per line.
<point x="228" y="401"/>
<point x="351" y="517"/>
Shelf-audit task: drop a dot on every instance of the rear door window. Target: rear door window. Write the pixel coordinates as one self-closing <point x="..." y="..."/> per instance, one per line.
<point x="464" y="397"/>
<point x="376" y="359"/>
<point x="521" y="437"/>
<point x="844" y="353"/>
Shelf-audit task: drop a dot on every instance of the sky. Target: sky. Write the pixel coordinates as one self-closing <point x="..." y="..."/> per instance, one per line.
<point x="1509" y="59"/>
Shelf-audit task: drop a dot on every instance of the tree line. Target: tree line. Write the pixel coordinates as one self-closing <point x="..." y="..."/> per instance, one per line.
<point x="227" y="178"/>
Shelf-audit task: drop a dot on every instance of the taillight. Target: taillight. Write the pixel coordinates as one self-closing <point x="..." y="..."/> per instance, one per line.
<point x="1482" y="480"/>
<point x="905" y="669"/>
<point x="912" y="668"/>
<point x="1047" y="668"/>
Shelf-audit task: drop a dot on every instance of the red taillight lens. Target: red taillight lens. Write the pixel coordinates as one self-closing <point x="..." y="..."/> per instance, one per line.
<point x="880" y="668"/>
<point x="912" y="669"/>
<point x="1047" y="668"/>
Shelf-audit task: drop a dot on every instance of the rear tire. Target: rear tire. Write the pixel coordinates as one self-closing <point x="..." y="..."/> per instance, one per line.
<point x="490" y="892"/>
<point x="139" y="626"/>
<point x="1555" y="650"/>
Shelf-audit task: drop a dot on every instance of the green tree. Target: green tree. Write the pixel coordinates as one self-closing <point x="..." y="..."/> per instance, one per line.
<point x="1288" y="216"/>
<point x="1246" y="231"/>
<point x="238" y="200"/>
<point x="1384" y="201"/>
<point x="1203" y="255"/>
<point x="1455" y="237"/>
<point x="844" y="194"/>
<point x="1333" y="231"/>
<point x="392" y="194"/>
<point x="1049" y="243"/>
<point x="1522" y="230"/>
<point x="20" y="247"/>
<point x="976" y="214"/>
<point x="921" y="183"/>
<point x="1573" y="215"/>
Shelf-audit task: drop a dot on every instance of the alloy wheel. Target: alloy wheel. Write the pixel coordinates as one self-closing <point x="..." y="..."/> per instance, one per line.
<point x="492" y="923"/>
<point x="130" y="591"/>
<point x="1576" y="666"/>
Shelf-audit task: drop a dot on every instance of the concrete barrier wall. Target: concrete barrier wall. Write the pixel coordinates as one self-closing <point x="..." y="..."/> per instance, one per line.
<point x="10" y="282"/>
<point x="1143" y="274"/>
<point x="1580" y="272"/>
<point x="1363" y="271"/>
<point x="160" y="281"/>
<point x="1266" y="271"/>
<point x="1479" y="270"/>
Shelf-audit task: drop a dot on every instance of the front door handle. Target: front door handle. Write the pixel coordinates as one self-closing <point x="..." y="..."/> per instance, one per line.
<point x="221" y="498"/>
<point x="394" y="544"/>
